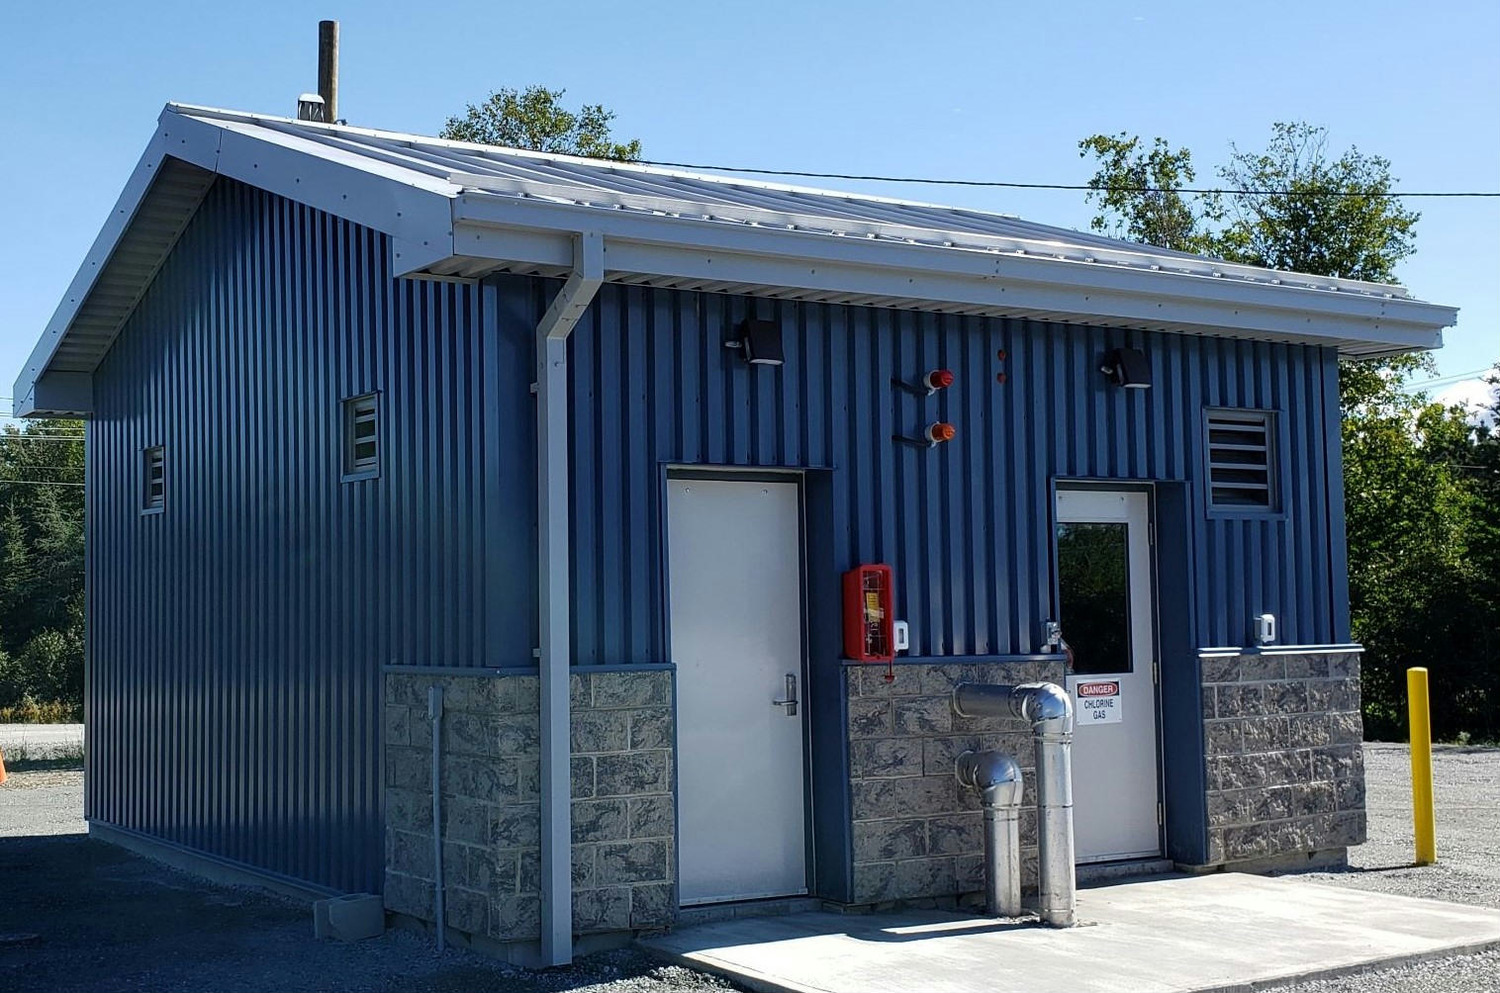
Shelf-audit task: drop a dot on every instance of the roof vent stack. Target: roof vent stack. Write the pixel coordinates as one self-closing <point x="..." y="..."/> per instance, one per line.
<point x="328" y="69"/>
<point x="310" y="107"/>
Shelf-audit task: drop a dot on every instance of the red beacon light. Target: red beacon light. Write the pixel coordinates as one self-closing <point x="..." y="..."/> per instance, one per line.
<point x="937" y="379"/>
<point x="939" y="432"/>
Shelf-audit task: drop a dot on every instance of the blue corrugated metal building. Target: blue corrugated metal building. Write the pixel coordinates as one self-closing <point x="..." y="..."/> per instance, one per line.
<point x="586" y="447"/>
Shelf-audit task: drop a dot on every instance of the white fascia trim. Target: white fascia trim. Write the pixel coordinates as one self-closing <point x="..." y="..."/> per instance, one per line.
<point x="414" y="209"/>
<point x="89" y="270"/>
<point x="492" y="227"/>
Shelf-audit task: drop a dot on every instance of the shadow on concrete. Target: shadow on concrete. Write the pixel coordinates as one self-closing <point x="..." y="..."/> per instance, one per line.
<point x="88" y="916"/>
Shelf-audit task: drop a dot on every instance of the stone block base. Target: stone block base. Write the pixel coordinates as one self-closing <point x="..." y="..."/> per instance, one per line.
<point x="918" y="835"/>
<point x="1285" y="765"/>
<point x="623" y="815"/>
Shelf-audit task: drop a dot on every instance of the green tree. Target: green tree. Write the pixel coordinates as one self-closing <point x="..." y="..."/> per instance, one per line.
<point x="535" y="119"/>
<point x="41" y="563"/>
<point x="1137" y="194"/>
<point x="1293" y="207"/>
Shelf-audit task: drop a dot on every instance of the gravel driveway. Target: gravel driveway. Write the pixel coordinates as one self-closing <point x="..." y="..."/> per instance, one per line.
<point x="79" y="915"/>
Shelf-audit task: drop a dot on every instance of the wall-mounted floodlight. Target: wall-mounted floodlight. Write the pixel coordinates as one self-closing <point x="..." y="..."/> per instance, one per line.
<point x="1127" y="367"/>
<point x="758" y="341"/>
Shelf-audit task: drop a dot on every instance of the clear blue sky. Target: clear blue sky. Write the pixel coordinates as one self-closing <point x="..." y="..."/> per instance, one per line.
<point x="991" y="90"/>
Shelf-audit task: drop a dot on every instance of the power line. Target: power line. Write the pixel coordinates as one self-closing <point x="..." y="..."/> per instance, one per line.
<point x="931" y="181"/>
<point x="1456" y="377"/>
<point x="38" y="482"/>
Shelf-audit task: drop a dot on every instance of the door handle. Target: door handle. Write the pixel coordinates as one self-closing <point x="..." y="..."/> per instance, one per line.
<point x="790" y="703"/>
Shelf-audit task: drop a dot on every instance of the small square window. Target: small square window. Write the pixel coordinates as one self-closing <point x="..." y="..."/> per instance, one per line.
<point x="1241" y="460"/>
<point x="361" y="436"/>
<point x="153" y="479"/>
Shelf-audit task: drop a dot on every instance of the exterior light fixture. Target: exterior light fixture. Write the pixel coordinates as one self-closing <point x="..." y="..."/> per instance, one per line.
<point x="758" y="341"/>
<point x="1128" y="368"/>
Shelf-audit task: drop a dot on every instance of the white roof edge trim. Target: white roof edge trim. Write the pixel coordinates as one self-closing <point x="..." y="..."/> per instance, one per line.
<point x="1135" y="255"/>
<point x="90" y="269"/>
<point x="987" y="271"/>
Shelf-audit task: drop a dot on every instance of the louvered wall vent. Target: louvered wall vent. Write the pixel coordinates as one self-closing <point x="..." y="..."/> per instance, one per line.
<point x="1241" y="467"/>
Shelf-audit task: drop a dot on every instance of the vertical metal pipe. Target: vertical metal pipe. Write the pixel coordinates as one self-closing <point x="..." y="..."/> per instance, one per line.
<point x="1002" y="860"/>
<point x="328" y="69"/>
<point x="552" y="451"/>
<point x="997" y="777"/>
<point x="435" y="712"/>
<point x="554" y="556"/>
<point x="1049" y="709"/>
<point x="1054" y="792"/>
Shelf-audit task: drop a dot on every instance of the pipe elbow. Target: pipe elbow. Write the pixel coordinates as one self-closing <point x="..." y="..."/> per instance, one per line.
<point x="1045" y="704"/>
<point x="994" y="774"/>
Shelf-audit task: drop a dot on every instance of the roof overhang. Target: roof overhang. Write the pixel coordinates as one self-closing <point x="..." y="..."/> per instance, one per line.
<point x="161" y="196"/>
<point x="445" y="223"/>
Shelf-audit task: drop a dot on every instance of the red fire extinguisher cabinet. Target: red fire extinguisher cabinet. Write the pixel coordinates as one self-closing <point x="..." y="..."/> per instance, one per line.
<point x="869" y="615"/>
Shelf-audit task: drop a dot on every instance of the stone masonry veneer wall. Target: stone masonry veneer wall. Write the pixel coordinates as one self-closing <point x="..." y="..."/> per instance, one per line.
<point x="917" y="834"/>
<point x="623" y="816"/>
<point x="1285" y="769"/>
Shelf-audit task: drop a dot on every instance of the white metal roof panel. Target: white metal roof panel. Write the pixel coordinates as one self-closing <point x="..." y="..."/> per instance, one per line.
<point x="460" y="210"/>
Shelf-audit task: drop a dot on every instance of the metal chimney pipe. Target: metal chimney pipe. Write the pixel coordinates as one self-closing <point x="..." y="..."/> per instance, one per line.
<point x="1049" y="710"/>
<point x="328" y="69"/>
<point x="997" y="777"/>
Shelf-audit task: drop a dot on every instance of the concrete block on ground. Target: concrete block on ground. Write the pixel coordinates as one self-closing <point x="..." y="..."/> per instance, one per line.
<point x="351" y="917"/>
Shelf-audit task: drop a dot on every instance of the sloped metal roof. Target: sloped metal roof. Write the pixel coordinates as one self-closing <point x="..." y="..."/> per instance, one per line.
<point x="460" y="210"/>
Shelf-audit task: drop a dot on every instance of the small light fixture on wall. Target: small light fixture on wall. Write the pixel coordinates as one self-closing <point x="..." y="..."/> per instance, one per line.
<point x="1128" y="368"/>
<point x="759" y="342"/>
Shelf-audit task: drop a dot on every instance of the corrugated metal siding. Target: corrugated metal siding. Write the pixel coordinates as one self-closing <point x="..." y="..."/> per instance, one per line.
<point x="236" y="639"/>
<point x="966" y="525"/>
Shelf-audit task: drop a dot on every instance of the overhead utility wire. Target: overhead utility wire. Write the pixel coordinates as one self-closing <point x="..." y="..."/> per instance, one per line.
<point x="931" y="181"/>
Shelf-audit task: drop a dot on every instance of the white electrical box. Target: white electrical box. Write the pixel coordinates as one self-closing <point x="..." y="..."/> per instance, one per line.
<point x="903" y="636"/>
<point x="1265" y="629"/>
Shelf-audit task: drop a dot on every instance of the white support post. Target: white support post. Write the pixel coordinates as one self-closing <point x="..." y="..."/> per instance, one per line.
<point x="553" y="561"/>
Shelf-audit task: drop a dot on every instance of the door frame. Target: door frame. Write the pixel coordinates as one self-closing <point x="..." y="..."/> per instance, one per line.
<point x="1148" y="489"/>
<point x="670" y="472"/>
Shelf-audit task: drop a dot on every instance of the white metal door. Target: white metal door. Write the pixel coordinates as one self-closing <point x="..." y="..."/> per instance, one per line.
<point x="1104" y="586"/>
<point x="736" y="618"/>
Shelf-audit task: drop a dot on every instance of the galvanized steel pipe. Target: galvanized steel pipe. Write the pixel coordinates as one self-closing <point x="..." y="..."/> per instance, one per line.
<point x="997" y="777"/>
<point x="1049" y="710"/>
<point x="435" y="713"/>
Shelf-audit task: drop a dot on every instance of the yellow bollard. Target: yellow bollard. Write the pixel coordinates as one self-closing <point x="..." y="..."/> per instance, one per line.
<point x="1424" y="821"/>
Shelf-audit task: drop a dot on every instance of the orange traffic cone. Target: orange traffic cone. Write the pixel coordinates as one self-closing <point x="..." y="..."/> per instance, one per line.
<point x="2" y="768"/>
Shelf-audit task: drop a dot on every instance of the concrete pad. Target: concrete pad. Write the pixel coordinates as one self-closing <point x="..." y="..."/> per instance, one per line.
<point x="1227" y="931"/>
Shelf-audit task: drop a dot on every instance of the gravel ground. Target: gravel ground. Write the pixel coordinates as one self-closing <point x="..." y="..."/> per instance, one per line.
<point x="80" y="915"/>
<point x="77" y="914"/>
<point x="41" y="802"/>
<point x="1467" y="792"/>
